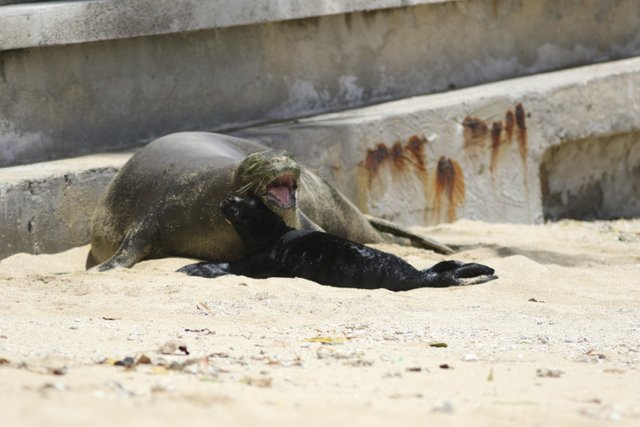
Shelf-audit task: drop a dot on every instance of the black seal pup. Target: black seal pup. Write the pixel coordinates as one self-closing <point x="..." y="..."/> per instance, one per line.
<point x="165" y="201"/>
<point x="278" y="250"/>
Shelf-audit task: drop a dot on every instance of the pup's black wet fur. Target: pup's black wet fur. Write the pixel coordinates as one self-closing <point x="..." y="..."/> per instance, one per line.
<point x="278" y="250"/>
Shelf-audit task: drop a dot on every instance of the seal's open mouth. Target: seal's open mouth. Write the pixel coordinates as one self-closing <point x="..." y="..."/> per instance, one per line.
<point x="282" y="191"/>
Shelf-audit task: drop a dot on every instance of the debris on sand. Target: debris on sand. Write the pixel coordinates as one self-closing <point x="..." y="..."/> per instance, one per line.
<point x="549" y="373"/>
<point x="170" y="347"/>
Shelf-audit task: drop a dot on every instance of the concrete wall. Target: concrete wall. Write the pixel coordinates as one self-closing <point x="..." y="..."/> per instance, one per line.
<point x="47" y="207"/>
<point x="86" y="96"/>
<point x="549" y="146"/>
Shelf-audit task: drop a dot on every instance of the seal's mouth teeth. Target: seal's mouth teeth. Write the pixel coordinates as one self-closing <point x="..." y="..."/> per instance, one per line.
<point x="282" y="191"/>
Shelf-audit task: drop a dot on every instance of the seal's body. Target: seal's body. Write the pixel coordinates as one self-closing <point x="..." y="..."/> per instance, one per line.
<point x="165" y="200"/>
<point x="278" y="250"/>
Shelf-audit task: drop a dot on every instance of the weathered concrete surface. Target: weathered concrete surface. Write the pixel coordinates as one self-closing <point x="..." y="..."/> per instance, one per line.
<point x="70" y="22"/>
<point x="47" y="207"/>
<point x="76" y="99"/>
<point x="592" y="178"/>
<point x="474" y="153"/>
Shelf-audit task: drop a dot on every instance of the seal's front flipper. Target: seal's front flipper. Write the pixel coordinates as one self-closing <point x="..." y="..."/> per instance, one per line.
<point x="91" y="261"/>
<point x="206" y="269"/>
<point x="457" y="273"/>
<point x="416" y="240"/>
<point x="256" y="266"/>
<point x="135" y="246"/>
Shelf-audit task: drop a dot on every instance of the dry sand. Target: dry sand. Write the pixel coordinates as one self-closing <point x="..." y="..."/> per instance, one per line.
<point x="554" y="341"/>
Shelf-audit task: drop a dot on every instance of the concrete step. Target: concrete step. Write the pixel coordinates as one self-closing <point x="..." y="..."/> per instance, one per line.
<point x="521" y="150"/>
<point x="47" y="207"/>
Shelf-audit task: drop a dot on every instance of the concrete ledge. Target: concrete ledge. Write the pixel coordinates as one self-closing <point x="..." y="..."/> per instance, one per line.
<point x="47" y="207"/>
<point x="59" y="23"/>
<point x="475" y="153"/>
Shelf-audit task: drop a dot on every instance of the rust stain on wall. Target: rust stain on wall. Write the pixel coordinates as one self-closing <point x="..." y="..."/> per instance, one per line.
<point x="375" y="158"/>
<point x="415" y="147"/>
<point x="399" y="156"/>
<point x="399" y="159"/>
<point x="444" y="188"/>
<point x="521" y="133"/>
<point x="496" y="140"/>
<point x="508" y="124"/>
<point x="399" y="168"/>
<point x="450" y="187"/>
<point x="501" y="132"/>
<point x="475" y="130"/>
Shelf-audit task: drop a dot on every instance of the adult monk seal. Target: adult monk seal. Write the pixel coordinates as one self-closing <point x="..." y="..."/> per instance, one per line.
<point x="165" y="201"/>
<point x="277" y="250"/>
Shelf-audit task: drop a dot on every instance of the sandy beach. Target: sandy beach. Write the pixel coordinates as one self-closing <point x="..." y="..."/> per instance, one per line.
<point x="554" y="341"/>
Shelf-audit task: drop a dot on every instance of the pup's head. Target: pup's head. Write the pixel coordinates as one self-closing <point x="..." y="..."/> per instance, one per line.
<point x="256" y="224"/>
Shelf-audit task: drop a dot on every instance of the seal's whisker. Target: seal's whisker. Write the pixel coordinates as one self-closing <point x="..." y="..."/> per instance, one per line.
<point x="246" y="187"/>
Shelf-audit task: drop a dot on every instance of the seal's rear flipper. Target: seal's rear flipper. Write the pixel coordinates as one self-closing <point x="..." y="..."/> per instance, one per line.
<point x="473" y="274"/>
<point x="416" y="240"/>
<point x="476" y="280"/>
<point x="457" y="273"/>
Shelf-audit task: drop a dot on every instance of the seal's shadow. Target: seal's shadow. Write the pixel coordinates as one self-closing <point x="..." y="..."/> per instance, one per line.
<point x="539" y="256"/>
